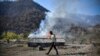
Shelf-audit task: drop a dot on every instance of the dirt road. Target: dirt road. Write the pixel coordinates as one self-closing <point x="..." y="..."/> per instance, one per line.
<point x="23" y="50"/>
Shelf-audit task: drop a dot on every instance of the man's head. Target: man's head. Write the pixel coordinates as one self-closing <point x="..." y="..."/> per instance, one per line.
<point x="51" y="32"/>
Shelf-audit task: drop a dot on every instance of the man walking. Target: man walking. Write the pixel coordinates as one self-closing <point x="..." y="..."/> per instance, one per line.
<point x="52" y="36"/>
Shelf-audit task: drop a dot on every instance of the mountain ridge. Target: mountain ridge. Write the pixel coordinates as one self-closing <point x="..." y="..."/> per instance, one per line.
<point x="20" y="17"/>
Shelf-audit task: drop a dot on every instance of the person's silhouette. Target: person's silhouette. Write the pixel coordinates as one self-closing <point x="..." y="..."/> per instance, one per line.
<point x="53" y="37"/>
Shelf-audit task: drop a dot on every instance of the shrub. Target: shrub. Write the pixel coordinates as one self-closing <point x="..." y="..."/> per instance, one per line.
<point x="10" y="35"/>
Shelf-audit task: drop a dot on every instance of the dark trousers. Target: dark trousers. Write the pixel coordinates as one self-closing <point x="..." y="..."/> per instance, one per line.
<point x="53" y="45"/>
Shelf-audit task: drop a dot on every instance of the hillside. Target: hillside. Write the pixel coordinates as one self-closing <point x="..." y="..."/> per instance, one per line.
<point x="20" y="16"/>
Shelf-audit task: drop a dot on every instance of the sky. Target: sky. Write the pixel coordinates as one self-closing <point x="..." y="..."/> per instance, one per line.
<point x="88" y="7"/>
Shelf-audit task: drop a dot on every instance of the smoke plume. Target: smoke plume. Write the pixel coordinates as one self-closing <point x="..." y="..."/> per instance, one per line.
<point x="59" y="20"/>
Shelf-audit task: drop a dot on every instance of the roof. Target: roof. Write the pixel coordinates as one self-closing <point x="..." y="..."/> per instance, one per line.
<point x="45" y="40"/>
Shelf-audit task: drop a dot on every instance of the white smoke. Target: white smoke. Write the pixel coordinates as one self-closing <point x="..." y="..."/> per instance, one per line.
<point x="54" y="20"/>
<point x="59" y="20"/>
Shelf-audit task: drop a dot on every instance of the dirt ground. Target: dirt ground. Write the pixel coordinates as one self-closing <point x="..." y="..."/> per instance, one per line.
<point x="24" y="50"/>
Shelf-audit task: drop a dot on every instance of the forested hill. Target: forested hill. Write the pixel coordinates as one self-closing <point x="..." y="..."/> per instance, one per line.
<point x="20" y="16"/>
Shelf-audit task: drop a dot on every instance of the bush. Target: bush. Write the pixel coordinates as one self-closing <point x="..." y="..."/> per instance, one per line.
<point x="10" y="35"/>
<point x="25" y="35"/>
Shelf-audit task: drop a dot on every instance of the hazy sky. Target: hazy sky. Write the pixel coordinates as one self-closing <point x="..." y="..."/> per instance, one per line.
<point x="89" y="7"/>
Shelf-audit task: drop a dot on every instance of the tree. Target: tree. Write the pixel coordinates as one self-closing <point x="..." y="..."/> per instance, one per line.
<point x="9" y="35"/>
